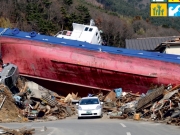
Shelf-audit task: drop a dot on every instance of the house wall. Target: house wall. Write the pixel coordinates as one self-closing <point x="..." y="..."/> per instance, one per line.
<point x="173" y="50"/>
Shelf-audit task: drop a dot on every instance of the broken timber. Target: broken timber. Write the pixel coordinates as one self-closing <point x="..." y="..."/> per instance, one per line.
<point x="149" y="98"/>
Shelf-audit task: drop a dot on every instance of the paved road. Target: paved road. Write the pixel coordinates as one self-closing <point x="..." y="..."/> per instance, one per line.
<point x="104" y="126"/>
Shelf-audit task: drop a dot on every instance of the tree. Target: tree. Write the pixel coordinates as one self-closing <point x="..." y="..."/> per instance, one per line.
<point x="84" y="15"/>
<point x="5" y="23"/>
<point x="68" y="2"/>
<point x="38" y="16"/>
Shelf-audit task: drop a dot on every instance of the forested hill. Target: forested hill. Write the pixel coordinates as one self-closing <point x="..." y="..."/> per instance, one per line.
<point x="118" y="19"/>
<point x="127" y="7"/>
<point x="141" y="8"/>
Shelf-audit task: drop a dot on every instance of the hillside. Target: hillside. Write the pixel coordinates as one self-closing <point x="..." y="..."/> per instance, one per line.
<point x="51" y="16"/>
<point x="141" y="8"/>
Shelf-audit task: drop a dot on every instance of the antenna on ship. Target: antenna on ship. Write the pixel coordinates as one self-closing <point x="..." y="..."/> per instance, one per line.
<point x="92" y="23"/>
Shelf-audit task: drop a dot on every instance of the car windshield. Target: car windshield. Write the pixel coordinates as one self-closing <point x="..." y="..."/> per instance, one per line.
<point x="89" y="101"/>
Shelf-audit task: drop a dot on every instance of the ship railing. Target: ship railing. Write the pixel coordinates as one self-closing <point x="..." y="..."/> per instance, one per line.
<point x="64" y="33"/>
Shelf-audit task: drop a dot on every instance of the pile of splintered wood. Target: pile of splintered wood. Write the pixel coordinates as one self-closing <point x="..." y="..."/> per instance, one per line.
<point x="161" y="104"/>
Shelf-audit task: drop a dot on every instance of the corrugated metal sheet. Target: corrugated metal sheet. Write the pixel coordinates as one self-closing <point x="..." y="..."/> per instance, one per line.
<point x="146" y="43"/>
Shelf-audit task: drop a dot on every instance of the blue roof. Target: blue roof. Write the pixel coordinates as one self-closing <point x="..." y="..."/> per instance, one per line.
<point x="15" y="33"/>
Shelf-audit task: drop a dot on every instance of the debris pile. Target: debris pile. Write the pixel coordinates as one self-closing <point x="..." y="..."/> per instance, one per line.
<point x="34" y="102"/>
<point x="126" y="103"/>
<point x="23" y="100"/>
<point x="160" y="104"/>
<point x="37" y="102"/>
<point x="22" y="131"/>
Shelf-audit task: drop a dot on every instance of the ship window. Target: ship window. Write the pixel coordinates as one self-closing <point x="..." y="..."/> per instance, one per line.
<point x="96" y="33"/>
<point x="86" y="29"/>
<point x="64" y="32"/>
<point x="90" y="29"/>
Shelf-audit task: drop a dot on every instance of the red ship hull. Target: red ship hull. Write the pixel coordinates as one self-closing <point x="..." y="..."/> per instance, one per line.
<point x="68" y="69"/>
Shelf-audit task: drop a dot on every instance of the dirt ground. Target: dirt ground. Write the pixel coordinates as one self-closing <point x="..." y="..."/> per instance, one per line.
<point x="9" y="112"/>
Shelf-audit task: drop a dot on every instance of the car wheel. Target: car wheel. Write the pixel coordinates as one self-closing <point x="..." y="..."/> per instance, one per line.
<point x="79" y="117"/>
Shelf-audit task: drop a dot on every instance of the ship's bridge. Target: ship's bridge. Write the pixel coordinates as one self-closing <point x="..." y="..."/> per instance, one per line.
<point x="81" y="32"/>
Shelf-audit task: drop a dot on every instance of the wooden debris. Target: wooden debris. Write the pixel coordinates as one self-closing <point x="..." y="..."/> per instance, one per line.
<point x="22" y="131"/>
<point x="119" y="117"/>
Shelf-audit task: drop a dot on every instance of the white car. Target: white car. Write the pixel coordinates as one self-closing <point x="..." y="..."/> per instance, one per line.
<point x="89" y="106"/>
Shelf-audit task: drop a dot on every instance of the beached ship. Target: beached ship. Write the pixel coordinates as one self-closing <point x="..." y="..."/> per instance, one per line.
<point x="77" y="61"/>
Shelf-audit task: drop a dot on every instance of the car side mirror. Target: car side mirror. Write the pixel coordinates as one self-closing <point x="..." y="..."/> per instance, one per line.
<point x="77" y="104"/>
<point x="101" y="103"/>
